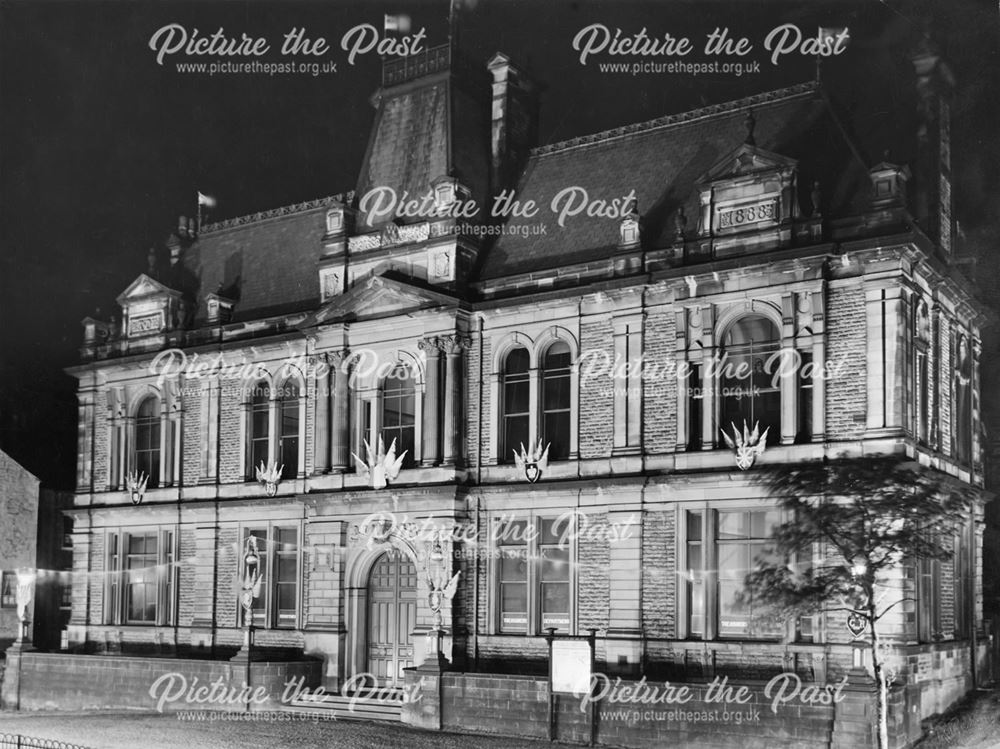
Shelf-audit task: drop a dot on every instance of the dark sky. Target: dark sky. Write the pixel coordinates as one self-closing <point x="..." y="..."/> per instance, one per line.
<point x="101" y="148"/>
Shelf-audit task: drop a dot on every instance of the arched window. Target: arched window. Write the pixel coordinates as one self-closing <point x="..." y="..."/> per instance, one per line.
<point x="288" y="435"/>
<point x="514" y="404"/>
<point x="556" y="400"/>
<point x="259" y="427"/>
<point x="749" y="388"/>
<point x="399" y="415"/>
<point x="147" y="440"/>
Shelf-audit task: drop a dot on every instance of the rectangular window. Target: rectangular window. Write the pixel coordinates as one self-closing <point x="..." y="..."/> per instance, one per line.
<point x="923" y="400"/>
<point x="257" y="448"/>
<point x="112" y="614"/>
<point x="695" y="575"/>
<point x="805" y="398"/>
<point x="277" y="604"/>
<point x="554" y="576"/>
<point x="169" y="579"/>
<point x="742" y="539"/>
<point x="142" y="578"/>
<point x="513" y="561"/>
<point x="696" y="397"/>
<point x="929" y="600"/>
<point x="288" y="441"/>
<point x="533" y="576"/>
<point x="140" y="571"/>
<point x="286" y="567"/>
<point x="8" y="590"/>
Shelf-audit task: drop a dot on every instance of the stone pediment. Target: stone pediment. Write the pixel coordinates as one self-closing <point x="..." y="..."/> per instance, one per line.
<point x="142" y="288"/>
<point x="150" y="308"/>
<point x="745" y="161"/>
<point x="378" y="296"/>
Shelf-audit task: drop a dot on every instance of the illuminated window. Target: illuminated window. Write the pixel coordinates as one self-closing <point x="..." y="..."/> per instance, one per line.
<point x="556" y="400"/>
<point x="147" y="441"/>
<point x="399" y="413"/>
<point x="515" y="404"/>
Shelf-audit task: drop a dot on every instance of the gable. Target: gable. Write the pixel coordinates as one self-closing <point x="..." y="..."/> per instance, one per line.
<point x="143" y="287"/>
<point x="747" y="160"/>
<point x="378" y="296"/>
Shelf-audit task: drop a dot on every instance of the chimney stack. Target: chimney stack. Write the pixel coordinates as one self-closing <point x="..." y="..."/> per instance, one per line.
<point x="932" y="176"/>
<point x="514" y="126"/>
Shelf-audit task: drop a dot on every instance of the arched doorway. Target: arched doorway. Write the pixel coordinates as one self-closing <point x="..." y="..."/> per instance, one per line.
<point x="392" y="612"/>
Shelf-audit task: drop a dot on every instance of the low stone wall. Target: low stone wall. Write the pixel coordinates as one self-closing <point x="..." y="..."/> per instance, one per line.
<point x="62" y="681"/>
<point x="813" y="716"/>
<point x="518" y="705"/>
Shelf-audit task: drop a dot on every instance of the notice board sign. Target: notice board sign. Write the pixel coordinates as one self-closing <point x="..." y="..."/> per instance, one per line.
<point x="571" y="662"/>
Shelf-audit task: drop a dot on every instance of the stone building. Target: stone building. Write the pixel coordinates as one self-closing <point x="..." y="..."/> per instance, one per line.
<point x="754" y="231"/>
<point x="18" y="524"/>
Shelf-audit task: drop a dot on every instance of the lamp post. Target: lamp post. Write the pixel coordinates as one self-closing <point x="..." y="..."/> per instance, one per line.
<point x="249" y="593"/>
<point x="251" y="587"/>
<point x="25" y="588"/>
<point x="856" y="623"/>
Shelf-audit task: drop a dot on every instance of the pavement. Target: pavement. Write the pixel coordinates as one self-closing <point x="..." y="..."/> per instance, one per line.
<point x="237" y="731"/>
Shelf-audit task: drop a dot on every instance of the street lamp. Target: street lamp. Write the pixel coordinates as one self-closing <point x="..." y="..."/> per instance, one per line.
<point x="251" y="584"/>
<point x="25" y="587"/>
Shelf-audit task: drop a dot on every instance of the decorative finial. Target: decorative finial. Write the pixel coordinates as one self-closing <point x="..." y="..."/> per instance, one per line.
<point x="680" y="222"/>
<point x="151" y="262"/>
<point x="750" y="122"/>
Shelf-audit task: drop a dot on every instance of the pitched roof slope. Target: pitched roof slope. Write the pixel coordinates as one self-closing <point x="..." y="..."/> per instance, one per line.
<point x="662" y="161"/>
<point x="268" y="267"/>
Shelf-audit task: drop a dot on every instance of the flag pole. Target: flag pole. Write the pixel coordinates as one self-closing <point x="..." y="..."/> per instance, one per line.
<point x="198" y="229"/>
<point x="453" y="6"/>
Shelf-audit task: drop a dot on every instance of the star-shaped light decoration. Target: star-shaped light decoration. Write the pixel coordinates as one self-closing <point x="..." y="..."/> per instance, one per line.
<point x="747" y="445"/>
<point x="269" y="476"/>
<point x="135" y="485"/>
<point x="533" y="462"/>
<point x="382" y="466"/>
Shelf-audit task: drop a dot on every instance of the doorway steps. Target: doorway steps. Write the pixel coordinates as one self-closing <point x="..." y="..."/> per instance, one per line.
<point x="346" y="707"/>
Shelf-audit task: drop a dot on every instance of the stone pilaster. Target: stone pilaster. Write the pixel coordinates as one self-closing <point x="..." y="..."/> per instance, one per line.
<point x="432" y="401"/>
<point x="340" y="435"/>
<point x="452" y="346"/>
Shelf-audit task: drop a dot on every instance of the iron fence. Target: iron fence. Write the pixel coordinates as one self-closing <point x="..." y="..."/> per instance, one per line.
<point x="17" y="741"/>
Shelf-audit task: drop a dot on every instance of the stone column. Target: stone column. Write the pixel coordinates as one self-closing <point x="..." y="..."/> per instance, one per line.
<point x="431" y="426"/>
<point x="340" y="434"/>
<point x="452" y="347"/>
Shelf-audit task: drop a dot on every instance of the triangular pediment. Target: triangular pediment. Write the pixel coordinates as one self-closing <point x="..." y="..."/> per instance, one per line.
<point x="144" y="287"/>
<point x="378" y="296"/>
<point x="747" y="160"/>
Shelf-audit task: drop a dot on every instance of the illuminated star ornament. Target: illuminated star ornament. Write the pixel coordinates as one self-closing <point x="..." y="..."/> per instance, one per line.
<point x="533" y="462"/>
<point x="747" y="445"/>
<point x="135" y="485"/>
<point x="269" y="476"/>
<point x="382" y="466"/>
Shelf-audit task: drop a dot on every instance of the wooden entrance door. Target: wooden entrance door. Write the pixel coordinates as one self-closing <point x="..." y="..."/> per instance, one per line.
<point x="392" y="612"/>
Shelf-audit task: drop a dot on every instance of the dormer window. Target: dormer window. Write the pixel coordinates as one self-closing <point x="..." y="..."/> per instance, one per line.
<point x="444" y="196"/>
<point x="335" y="220"/>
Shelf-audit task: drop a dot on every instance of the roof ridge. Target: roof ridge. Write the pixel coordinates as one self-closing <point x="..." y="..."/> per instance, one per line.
<point x="287" y="210"/>
<point x="675" y="119"/>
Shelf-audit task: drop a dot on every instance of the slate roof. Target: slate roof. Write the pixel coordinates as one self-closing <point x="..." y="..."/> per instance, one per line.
<point x="267" y="263"/>
<point x="430" y="128"/>
<point x="662" y="160"/>
<point x="268" y="266"/>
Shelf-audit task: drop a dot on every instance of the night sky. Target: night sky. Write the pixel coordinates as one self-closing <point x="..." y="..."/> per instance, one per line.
<point x="101" y="148"/>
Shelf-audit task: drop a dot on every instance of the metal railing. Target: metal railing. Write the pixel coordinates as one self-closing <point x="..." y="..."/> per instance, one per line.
<point x="17" y="741"/>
